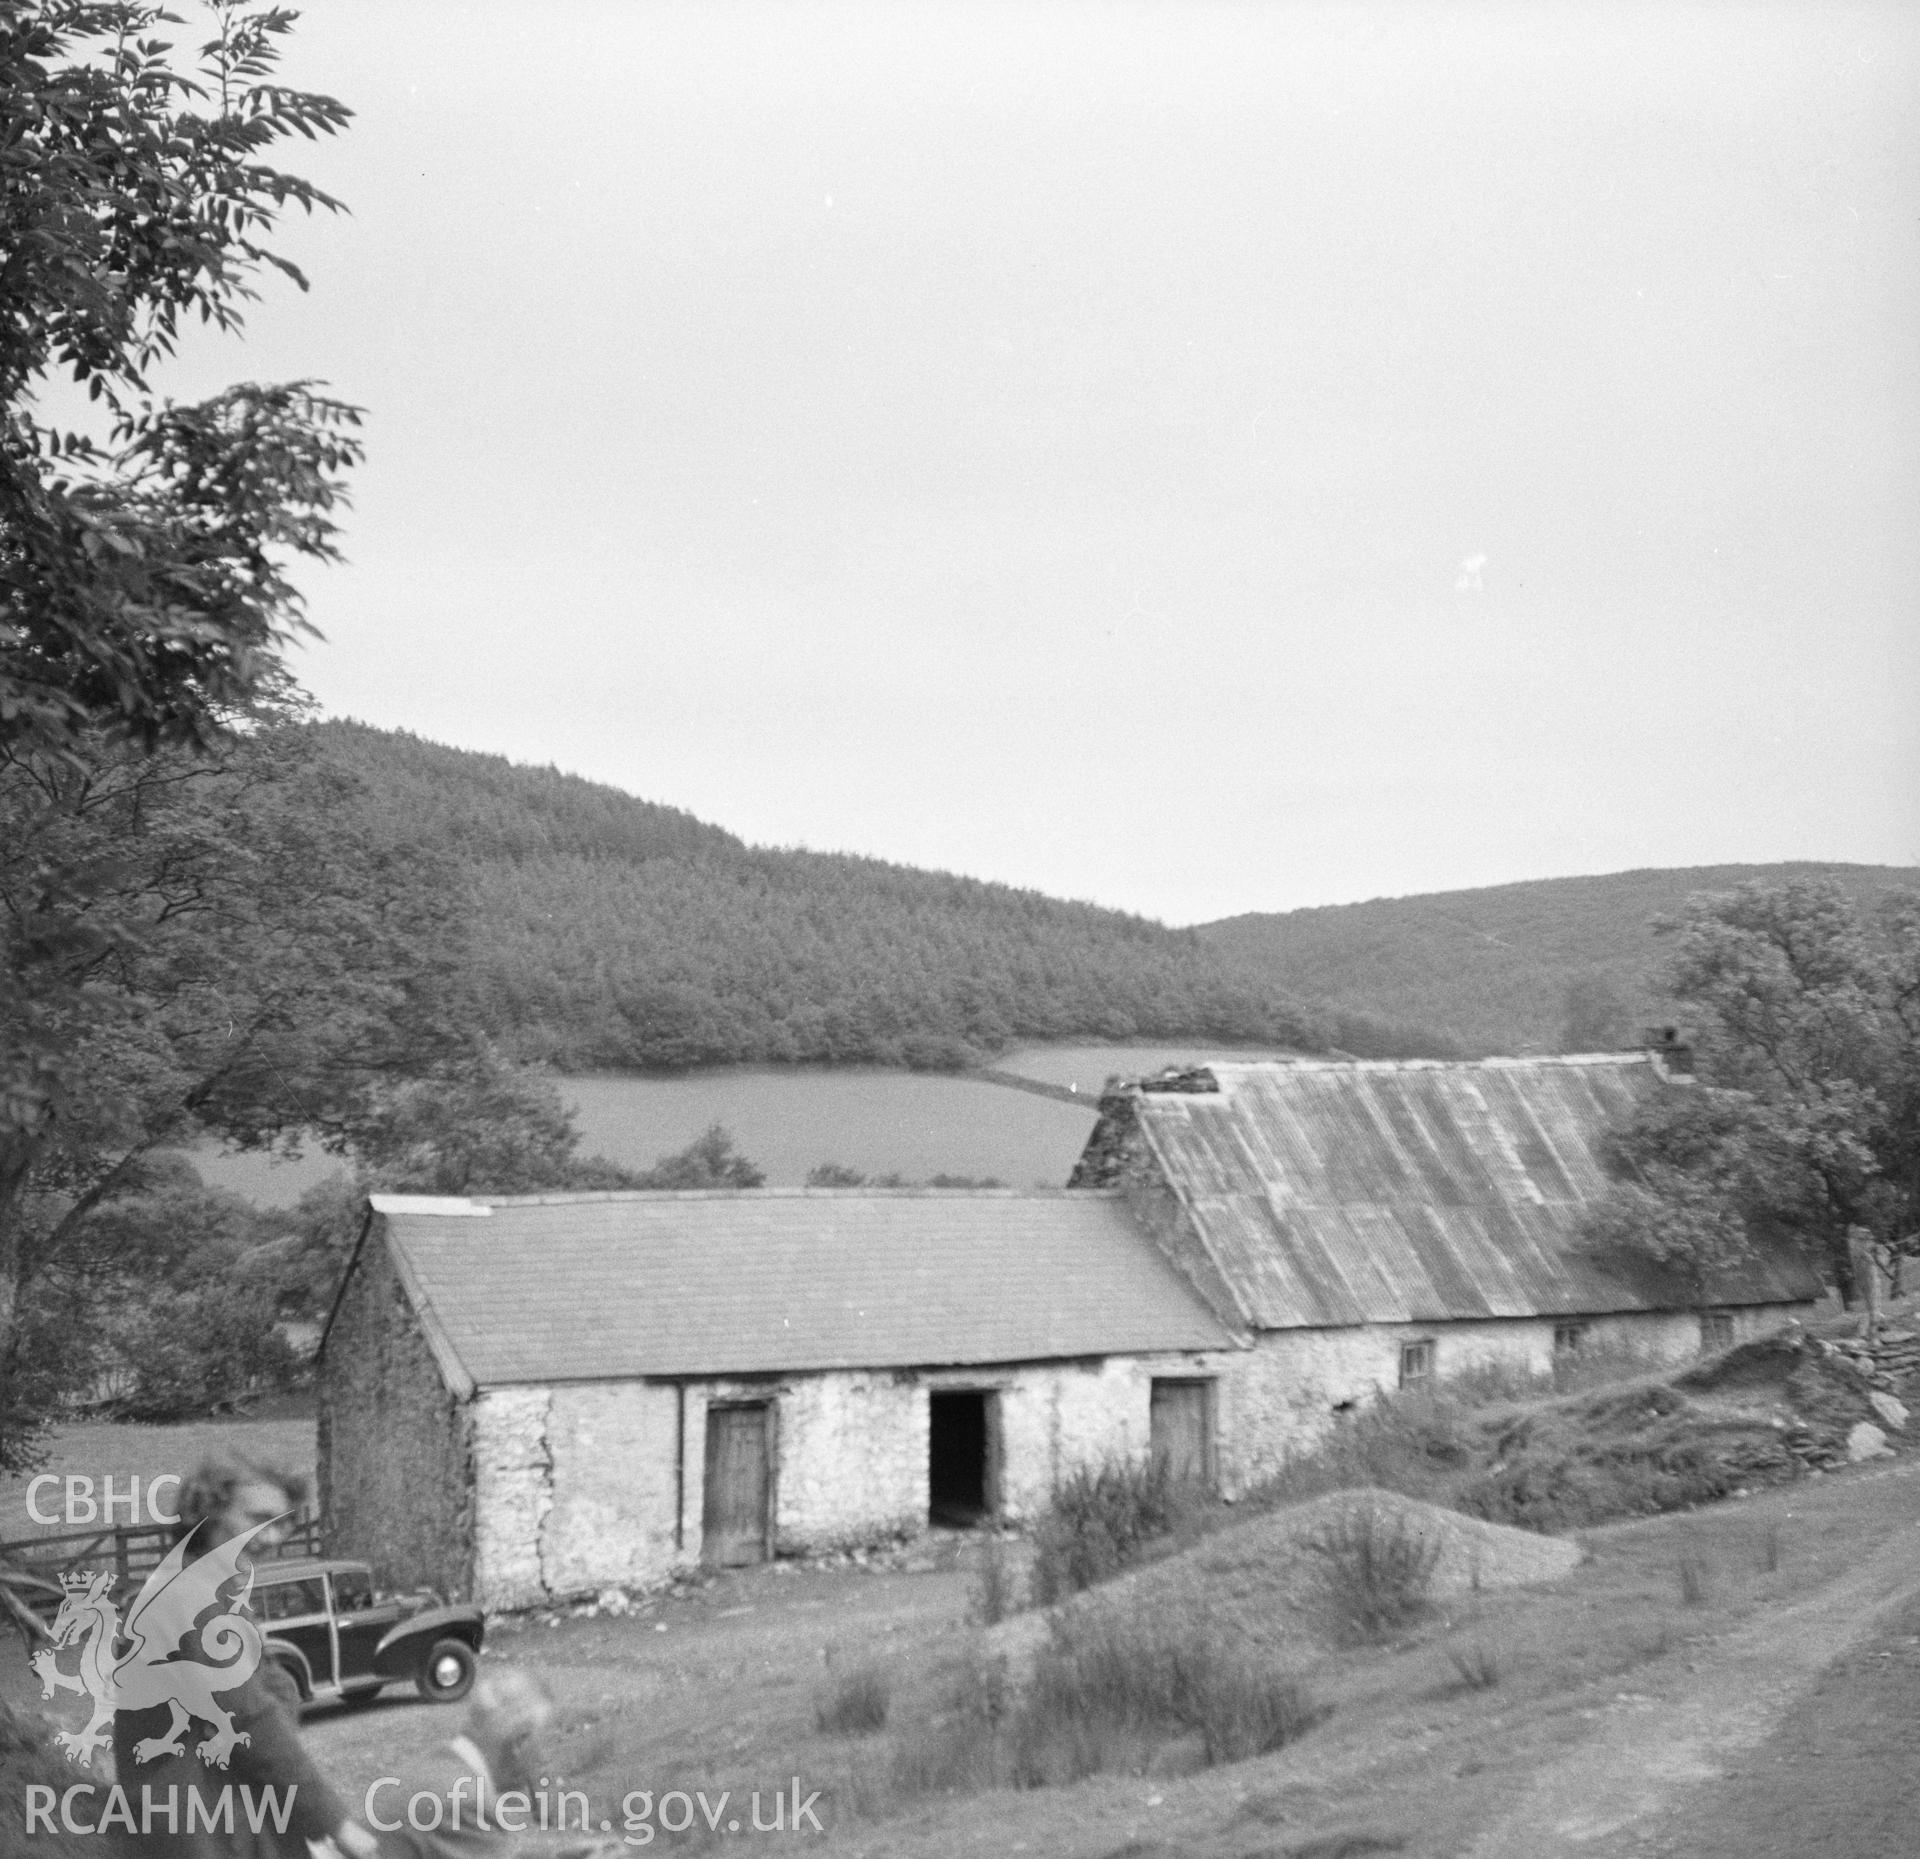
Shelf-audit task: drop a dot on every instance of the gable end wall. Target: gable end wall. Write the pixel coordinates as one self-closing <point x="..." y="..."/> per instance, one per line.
<point x="395" y="1472"/>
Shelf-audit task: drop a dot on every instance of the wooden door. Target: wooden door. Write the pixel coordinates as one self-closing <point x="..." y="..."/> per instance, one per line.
<point x="1178" y="1422"/>
<point x="734" y="1522"/>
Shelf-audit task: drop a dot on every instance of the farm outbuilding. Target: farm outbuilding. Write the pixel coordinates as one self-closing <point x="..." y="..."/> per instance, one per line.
<point x="536" y="1397"/>
<point x="1367" y="1224"/>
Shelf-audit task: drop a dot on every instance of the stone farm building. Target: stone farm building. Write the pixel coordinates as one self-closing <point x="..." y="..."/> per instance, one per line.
<point x="1363" y="1224"/>
<point x="536" y="1397"/>
<point x="539" y="1396"/>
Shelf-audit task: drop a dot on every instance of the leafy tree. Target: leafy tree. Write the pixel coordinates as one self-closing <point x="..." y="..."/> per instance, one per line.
<point x="1805" y="1120"/>
<point x="170" y="959"/>
<point x="834" y="1175"/>
<point x="838" y="1175"/>
<point x="163" y="1302"/>
<point x="709" y="1161"/>
<point x="143" y="574"/>
<point x="195" y="944"/>
<point x="190" y="1349"/>
<point x="484" y="1129"/>
<point x="144" y="590"/>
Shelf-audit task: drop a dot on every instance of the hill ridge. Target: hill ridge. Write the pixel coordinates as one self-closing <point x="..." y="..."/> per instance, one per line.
<point x="608" y="932"/>
<point x="612" y="932"/>
<point x="1576" y="956"/>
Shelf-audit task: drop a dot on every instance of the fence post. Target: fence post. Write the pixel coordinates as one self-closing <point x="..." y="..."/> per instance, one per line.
<point x="1866" y="1273"/>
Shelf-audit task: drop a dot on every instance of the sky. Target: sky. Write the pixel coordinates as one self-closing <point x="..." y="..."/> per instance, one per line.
<point x="1200" y="458"/>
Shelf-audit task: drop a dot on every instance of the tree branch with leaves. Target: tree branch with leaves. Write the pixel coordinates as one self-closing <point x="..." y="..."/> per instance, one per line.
<point x="1804" y="1125"/>
<point x="144" y="574"/>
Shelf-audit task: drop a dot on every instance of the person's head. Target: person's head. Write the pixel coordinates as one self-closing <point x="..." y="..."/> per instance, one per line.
<point x="505" y="1722"/>
<point x="231" y="1492"/>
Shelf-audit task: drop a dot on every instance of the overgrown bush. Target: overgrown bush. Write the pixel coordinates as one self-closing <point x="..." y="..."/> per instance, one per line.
<point x="190" y="1351"/>
<point x="1376" y="1569"/>
<point x="1415" y="1443"/>
<point x="1630" y="1452"/>
<point x="1097" y="1522"/>
<point x="1107" y="1689"/>
<point x="1106" y="1693"/>
<point x="855" y="1705"/>
<point x="963" y="1746"/>
<point x="1564" y="1463"/>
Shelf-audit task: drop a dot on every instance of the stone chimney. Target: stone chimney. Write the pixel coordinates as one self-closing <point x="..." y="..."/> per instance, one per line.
<point x="1672" y="1050"/>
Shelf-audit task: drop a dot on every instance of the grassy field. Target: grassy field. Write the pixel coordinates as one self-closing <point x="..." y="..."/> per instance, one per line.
<point x="100" y="1450"/>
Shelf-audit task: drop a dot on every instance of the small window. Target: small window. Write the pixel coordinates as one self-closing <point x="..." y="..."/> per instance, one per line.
<point x="293" y="1600"/>
<point x="1416" y="1362"/>
<point x="1716" y="1330"/>
<point x="1568" y="1338"/>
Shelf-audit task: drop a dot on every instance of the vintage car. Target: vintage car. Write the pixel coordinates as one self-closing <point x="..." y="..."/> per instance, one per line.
<point x="338" y="1641"/>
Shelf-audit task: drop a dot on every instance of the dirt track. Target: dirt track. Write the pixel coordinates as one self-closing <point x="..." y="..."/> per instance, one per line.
<point x="1773" y="1747"/>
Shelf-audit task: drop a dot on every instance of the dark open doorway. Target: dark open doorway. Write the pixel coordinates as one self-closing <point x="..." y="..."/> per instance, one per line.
<point x="962" y="1456"/>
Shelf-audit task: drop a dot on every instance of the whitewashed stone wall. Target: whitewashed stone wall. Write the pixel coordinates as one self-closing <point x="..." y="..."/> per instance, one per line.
<point x="512" y="1494"/>
<point x="579" y="1488"/>
<point x="1056" y="1418"/>
<point x="576" y="1486"/>
<point x="611" y="1519"/>
<point x="1279" y="1397"/>
<point x="574" y="1491"/>
<point x="850" y="1458"/>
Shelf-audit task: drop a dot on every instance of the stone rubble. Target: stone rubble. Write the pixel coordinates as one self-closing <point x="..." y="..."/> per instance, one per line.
<point x="1889" y="1360"/>
<point x="1866" y="1441"/>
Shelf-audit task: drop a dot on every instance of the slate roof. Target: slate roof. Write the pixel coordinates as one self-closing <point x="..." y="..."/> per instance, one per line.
<point x="546" y="1288"/>
<point x="1327" y="1194"/>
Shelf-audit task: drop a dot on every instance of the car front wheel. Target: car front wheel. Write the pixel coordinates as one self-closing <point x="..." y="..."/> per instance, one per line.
<point x="447" y="1673"/>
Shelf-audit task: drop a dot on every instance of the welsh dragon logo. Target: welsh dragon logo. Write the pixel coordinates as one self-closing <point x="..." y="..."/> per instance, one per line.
<point x="164" y="1654"/>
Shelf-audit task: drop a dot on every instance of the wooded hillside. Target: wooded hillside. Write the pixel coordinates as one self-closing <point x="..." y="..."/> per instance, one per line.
<point x="1563" y="964"/>
<point x="609" y="932"/>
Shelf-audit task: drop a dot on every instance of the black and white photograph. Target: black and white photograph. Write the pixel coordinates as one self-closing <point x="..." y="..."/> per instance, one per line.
<point x="970" y="927"/>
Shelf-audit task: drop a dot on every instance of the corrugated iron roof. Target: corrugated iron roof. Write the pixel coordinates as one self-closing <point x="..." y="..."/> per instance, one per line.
<point x="585" y="1287"/>
<point x="1416" y="1191"/>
